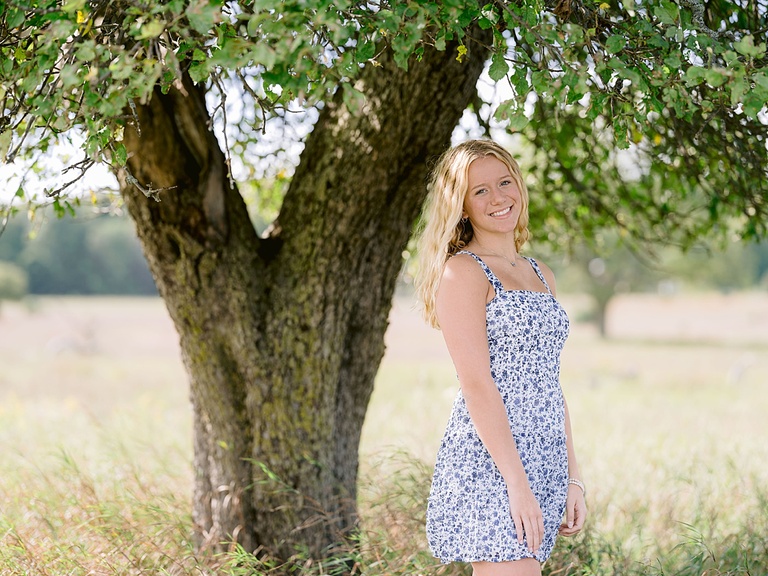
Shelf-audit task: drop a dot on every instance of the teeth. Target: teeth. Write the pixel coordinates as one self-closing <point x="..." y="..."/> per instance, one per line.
<point x="501" y="212"/>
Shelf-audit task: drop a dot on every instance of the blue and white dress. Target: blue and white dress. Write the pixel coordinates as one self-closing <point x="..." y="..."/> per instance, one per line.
<point x="468" y="517"/>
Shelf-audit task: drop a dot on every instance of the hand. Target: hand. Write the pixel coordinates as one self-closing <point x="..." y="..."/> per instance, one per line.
<point x="527" y="516"/>
<point x="575" y="512"/>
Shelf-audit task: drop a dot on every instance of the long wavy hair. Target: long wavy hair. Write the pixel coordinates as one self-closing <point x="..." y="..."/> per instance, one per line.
<point x="443" y="230"/>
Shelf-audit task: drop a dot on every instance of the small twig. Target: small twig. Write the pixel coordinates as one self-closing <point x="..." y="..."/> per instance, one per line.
<point x="485" y="125"/>
<point x="135" y="115"/>
<point x="148" y="191"/>
<point x="83" y="165"/>
<point x="12" y="154"/>
<point x="223" y="106"/>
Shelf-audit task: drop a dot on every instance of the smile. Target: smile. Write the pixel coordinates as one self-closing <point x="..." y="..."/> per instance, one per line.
<point x="502" y="212"/>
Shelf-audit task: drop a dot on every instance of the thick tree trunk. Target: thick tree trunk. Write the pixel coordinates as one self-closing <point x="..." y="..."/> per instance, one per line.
<point x="282" y="336"/>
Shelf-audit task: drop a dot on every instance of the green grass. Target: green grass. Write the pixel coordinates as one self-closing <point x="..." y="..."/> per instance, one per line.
<point x="95" y="474"/>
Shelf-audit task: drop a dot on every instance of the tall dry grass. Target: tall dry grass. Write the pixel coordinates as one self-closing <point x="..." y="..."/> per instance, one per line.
<point x="95" y="475"/>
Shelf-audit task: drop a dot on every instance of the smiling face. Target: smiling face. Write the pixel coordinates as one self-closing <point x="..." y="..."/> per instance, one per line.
<point x="493" y="202"/>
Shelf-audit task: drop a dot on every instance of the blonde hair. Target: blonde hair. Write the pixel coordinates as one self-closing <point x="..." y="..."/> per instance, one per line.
<point x="443" y="230"/>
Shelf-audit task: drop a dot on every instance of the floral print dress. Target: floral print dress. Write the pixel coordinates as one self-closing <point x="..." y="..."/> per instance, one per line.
<point x="468" y="517"/>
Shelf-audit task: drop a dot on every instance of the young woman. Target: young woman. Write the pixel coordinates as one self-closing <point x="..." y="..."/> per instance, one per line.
<point x="506" y="480"/>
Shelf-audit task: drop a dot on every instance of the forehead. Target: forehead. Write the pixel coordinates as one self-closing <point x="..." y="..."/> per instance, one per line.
<point x="486" y="168"/>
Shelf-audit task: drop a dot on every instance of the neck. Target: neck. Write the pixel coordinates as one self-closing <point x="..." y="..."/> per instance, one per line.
<point x="503" y="246"/>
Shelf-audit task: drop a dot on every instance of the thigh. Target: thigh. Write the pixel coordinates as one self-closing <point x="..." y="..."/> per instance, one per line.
<point x="524" y="567"/>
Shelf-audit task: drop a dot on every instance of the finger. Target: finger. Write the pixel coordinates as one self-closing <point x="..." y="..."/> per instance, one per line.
<point x="581" y="516"/>
<point x="541" y="532"/>
<point x="530" y="534"/>
<point x="533" y="534"/>
<point x="518" y="528"/>
<point x="570" y="512"/>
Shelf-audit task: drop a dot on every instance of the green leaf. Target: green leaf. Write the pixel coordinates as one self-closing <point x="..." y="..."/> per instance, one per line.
<point x="499" y="66"/>
<point x="365" y="50"/>
<point x="657" y="41"/>
<point x="540" y="81"/>
<point x="388" y="21"/>
<point x="72" y="6"/>
<point x="198" y="71"/>
<point x="753" y="104"/>
<point x="715" y="77"/>
<point x="203" y="16"/>
<point x="519" y="81"/>
<point x="509" y="112"/>
<point x="354" y="100"/>
<point x="121" y="155"/>
<point x="517" y="122"/>
<point x="254" y="25"/>
<point x="151" y="29"/>
<point x="667" y="13"/>
<point x="468" y="15"/>
<point x="695" y="75"/>
<point x="615" y="43"/>
<point x="5" y="143"/>
<point x="58" y="209"/>
<point x="401" y="59"/>
<point x="15" y="18"/>
<point x="86" y="52"/>
<point x="505" y="109"/>
<point x="673" y="61"/>
<point x="738" y="89"/>
<point x="264" y="54"/>
<point x="747" y="47"/>
<point x="761" y="79"/>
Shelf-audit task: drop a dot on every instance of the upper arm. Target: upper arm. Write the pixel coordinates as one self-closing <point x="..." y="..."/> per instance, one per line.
<point x="460" y="307"/>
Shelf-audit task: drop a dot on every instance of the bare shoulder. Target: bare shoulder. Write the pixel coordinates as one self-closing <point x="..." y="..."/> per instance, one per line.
<point x="464" y="274"/>
<point x="549" y="276"/>
<point x="461" y="297"/>
<point x="463" y="267"/>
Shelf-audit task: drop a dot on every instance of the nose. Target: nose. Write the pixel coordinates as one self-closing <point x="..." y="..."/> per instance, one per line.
<point x="497" y="195"/>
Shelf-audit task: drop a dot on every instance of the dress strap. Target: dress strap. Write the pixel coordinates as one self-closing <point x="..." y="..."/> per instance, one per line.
<point x="536" y="269"/>
<point x="492" y="278"/>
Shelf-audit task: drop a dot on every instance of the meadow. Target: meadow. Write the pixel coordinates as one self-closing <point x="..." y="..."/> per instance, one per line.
<point x="669" y="422"/>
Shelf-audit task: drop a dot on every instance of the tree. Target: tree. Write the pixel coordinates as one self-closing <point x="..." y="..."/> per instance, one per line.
<point x="282" y="333"/>
<point x="604" y="271"/>
<point x="13" y="282"/>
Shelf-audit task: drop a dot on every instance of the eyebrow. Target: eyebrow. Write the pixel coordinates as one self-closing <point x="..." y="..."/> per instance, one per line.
<point x="508" y="175"/>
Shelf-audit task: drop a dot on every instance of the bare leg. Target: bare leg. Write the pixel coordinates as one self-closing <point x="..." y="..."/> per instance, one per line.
<point x="524" y="567"/>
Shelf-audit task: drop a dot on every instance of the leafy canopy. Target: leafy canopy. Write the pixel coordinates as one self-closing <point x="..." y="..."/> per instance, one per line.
<point x="680" y="87"/>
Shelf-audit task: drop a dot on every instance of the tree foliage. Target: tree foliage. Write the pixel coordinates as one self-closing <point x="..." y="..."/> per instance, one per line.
<point x="646" y="116"/>
<point x="13" y="281"/>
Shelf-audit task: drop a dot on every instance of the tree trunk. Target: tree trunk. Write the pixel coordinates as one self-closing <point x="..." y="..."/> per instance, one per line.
<point x="282" y="336"/>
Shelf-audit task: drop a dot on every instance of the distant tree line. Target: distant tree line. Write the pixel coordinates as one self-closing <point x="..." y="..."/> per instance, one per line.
<point x="612" y="268"/>
<point x="83" y="255"/>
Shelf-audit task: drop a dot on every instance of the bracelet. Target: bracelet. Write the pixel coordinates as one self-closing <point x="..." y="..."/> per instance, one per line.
<point x="578" y="483"/>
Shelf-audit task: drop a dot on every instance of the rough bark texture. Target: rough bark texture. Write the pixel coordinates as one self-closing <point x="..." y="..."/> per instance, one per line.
<point x="282" y="336"/>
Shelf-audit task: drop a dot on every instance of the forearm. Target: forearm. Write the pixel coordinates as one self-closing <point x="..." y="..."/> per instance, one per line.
<point x="489" y="416"/>
<point x="573" y="465"/>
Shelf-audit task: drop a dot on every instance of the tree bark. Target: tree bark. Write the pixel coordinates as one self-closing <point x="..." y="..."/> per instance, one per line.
<point x="282" y="336"/>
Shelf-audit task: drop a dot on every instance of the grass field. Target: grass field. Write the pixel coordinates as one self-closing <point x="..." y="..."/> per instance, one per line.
<point x="669" y="423"/>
